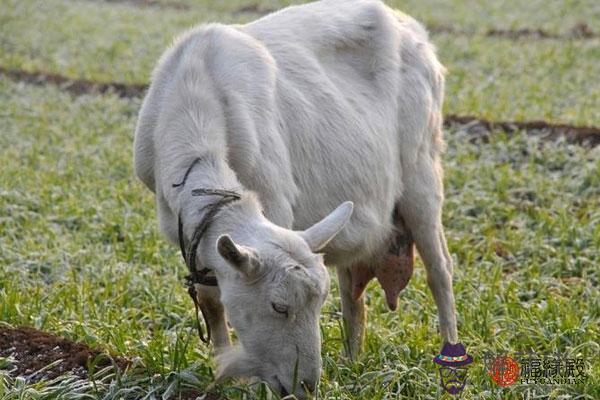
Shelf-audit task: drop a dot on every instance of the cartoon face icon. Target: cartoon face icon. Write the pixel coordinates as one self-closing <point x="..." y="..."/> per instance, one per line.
<point x="453" y="361"/>
<point x="453" y="379"/>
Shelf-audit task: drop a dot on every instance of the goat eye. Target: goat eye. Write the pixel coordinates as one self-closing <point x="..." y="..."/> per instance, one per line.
<point x="280" y="308"/>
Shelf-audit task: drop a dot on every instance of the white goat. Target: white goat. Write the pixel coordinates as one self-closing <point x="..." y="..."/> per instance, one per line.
<point x="312" y="106"/>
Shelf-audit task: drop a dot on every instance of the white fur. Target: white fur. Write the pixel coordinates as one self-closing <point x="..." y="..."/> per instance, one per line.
<point x="301" y="110"/>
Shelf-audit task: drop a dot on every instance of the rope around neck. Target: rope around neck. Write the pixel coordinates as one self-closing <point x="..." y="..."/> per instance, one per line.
<point x="198" y="275"/>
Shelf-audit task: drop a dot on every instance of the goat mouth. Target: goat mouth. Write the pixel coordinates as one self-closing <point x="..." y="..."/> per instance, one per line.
<point x="283" y="391"/>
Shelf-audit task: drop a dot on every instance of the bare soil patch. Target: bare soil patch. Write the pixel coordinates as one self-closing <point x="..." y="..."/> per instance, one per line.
<point x="75" y="86"/>
<point x="478" y="127"/>
<point x="578" y="31"/>
<point x="31" y="350"/>
<point x="255" y="9"/>
<point x="481" y="128"/>
<point x="153" y="3"/>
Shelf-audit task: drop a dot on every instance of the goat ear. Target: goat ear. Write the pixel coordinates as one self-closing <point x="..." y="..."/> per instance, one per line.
<point x="318" y="235"/>
<point x="239" y="257"/>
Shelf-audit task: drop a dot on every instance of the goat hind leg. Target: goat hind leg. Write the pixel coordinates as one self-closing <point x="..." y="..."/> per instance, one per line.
<point x="421" y="209"/>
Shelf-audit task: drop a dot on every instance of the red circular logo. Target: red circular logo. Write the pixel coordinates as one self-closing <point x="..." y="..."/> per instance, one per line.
<point x="504" y="371"/>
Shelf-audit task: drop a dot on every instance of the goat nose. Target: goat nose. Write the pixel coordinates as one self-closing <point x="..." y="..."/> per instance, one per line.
<point x="308" y="385"/>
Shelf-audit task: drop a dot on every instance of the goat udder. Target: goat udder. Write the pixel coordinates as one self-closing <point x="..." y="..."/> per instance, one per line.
<point x="393" y="273"/>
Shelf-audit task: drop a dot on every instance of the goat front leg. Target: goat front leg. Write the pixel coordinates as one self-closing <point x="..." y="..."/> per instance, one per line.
<point x="353" y="308"/>
<point x="421" y="209"/>
<point x="208" y="300"/>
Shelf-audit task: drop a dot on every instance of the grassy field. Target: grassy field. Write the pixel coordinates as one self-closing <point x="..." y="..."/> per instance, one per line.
<point x="492" y="77"/>
<point x="80" y="254"/>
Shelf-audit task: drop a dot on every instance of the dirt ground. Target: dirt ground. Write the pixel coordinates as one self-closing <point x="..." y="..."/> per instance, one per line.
<point x="30" y="350"/>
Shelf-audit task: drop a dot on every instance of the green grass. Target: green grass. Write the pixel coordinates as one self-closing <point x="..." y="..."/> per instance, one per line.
<point x="489" y="77"/>
<point x="80" y="254"/>
<point x="476" y="15"/>
<point x="557" y="16"/>
<point x="82" y="257"/>
<point x="502" y="79"/>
